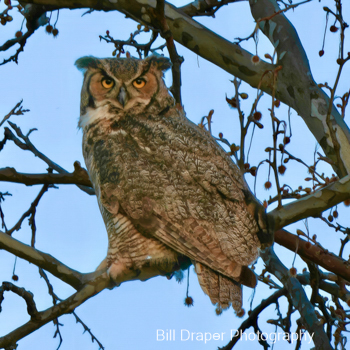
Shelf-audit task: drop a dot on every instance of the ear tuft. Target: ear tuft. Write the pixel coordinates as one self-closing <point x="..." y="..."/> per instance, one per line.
<point x="84" y="63"/>
<point x="163" y="63"/>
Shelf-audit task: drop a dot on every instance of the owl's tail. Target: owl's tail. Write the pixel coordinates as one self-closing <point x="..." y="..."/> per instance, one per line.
<point x="221" y="290"/>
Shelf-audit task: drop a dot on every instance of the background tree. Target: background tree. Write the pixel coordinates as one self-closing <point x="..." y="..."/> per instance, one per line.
<point x="259" y="126"/>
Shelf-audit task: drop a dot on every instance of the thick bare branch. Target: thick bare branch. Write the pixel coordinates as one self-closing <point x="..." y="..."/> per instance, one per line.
<point x="312" y="205"/>
<point x="297" y="88"/>
<point x="43" y="260"/>
<point x="298" y="297"/>
<point x="317" y="254"/>
<point x="295" y="85"/>
<point x="187" y="32"/>
<point x="76" y="178"/>
<point x="205" y="7"/>
<point x="331" y="288"/>
<point x="63" y="272"/>
<point x="27" y="296"/>
<point x="27" y="145"/>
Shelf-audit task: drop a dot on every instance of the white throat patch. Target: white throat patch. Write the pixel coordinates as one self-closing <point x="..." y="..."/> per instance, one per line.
<point x="93" y="115"/>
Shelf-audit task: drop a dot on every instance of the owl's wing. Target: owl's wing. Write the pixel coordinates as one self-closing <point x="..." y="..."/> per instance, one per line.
<point x="195" y="240"/>
<point x="189" y="237"/>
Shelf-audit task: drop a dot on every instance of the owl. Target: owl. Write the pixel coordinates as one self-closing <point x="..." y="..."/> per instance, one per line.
<point x="169" y="195"/>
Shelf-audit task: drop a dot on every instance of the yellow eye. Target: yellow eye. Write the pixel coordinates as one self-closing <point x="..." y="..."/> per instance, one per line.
<point x="107" y="83"/>
<point x="139" y="83"/>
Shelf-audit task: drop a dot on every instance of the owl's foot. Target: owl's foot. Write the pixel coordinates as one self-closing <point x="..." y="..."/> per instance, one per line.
<point x="119" y="272"/>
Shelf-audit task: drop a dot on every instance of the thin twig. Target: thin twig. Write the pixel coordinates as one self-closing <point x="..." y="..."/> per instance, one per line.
<point x="16" y="110"/>
<point x="32" y="13"/>
<point x="55" y="299"/>
<point x="29" y="212"/>
<point x="140" y="48"/>
<point x="27" y="145"/>
<point x="64" y="307"/>
<point x="253" y="316"/>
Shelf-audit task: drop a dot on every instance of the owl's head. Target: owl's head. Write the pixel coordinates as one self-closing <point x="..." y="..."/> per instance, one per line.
<point x="116" y="85"/>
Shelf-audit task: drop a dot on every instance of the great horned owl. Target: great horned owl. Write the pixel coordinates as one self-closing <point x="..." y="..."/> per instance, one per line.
<point x="168" y="193"/>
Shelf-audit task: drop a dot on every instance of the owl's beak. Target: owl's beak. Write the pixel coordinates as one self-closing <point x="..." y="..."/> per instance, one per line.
<point x="122" y="96"/>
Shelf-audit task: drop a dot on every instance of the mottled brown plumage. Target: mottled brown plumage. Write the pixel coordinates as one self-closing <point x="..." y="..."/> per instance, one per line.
<point x="168" y="193"/>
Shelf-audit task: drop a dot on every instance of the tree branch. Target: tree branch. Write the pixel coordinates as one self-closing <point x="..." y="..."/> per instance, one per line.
<point x="254" y="315"/>
<point x="297" y="88"/>
<point x="27" y="145"/>
<point x="27" y="296"/>
<point x="76" y="178"/>
<point x="295" y="85"/>
<point x="331" y="288"/>
<point x="314" y="253"/>
<point x="176" y="60"/>
<point x="298" y="297"/>
<point x="312" y="205"/>
<point x="43" y="260"/>
<point x="29" y="212"/>
<point x="185" y="31"/>
<point x="35" y="16"/>
<point x="90" y="289"/>
<point x="15" y="111"/>
<point x="204" y="7"/>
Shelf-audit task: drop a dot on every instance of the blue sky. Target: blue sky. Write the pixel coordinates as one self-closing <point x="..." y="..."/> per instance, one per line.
<point x="69" y="225"/>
